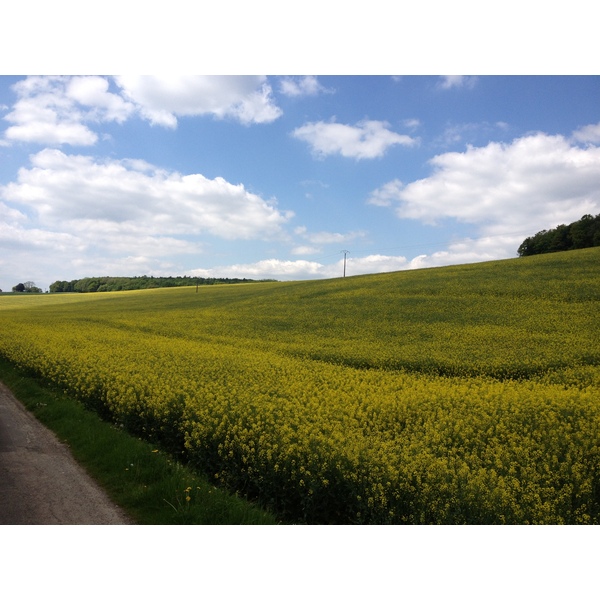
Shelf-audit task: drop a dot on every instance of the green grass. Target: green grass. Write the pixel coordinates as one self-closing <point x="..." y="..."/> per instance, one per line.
<point x="149" y="485"/>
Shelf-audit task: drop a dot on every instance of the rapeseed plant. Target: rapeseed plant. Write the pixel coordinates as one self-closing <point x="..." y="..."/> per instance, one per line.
<point x="476" y="404"/>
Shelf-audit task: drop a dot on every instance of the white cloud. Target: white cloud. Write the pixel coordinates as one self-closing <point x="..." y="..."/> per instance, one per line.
<point x="93" y="92"/>
<point x="132" y="197"/>
<point x="48" y="131"/>
<point x="74" y="216"/>
<point x="10" y="215"/>
<point x="366" y="139"/>
<point x="266" y="269"/>
<point x="303" y="269"/>
<point x="17" y="238"/>
<point x="589" y="133"/>
<point x="457" y="81"/>
<point x="34" y="254"/>
<point x="507" y="190"/>
<point x="374" y="263"/>
<point x="161" y="99"/>
<point x="132" y="242"/>
<point x="411" y="123"/>
<point x="257" y="107"/>
<point x="537" y="180"/>
<point x="301" y="86"/>
<point x="470" y="251"/>
<point x="386" y="194"/>
<point x="55" y="110"/>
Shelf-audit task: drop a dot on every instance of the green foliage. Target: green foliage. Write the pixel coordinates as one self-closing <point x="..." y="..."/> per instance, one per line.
<point x="117" y="284"/>
<point x="27" y="287"/>
<point x="466" y="394"/>
<point x="584" y="233"/>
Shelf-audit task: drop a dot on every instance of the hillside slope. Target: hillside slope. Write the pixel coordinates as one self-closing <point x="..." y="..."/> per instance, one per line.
<point x="467" y="394"/>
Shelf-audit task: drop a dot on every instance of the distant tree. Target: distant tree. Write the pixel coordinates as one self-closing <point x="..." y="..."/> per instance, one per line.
<point x="560" y="239"/>
<point x="28" y="286"/>
<point x="58" y="286"/>
<point x="32" y="288"/>
<point x="113" y="284"/>
<point x="537" y="244"/>
<point x="584" y="233"/>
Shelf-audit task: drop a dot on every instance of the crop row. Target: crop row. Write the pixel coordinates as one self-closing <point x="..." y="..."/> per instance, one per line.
<point x="322" y="442"/>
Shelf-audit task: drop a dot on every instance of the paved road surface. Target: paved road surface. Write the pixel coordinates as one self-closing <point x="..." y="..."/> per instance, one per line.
<point x="40" y="482"/>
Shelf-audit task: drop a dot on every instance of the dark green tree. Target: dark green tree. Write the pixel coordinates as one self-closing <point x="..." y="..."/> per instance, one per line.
<point x="584" y="233"/>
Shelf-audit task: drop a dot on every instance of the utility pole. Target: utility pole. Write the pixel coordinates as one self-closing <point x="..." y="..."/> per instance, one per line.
<point x="345" y="252"/>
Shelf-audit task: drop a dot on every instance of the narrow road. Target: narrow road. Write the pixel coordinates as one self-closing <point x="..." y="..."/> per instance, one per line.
<point x="40" y="482"/>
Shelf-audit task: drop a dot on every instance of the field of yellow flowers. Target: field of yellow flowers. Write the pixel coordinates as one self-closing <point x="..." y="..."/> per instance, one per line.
<point x="467" y="394"/>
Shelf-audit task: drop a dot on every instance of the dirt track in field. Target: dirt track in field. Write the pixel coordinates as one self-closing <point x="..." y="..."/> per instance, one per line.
<point x="40" y="482"/>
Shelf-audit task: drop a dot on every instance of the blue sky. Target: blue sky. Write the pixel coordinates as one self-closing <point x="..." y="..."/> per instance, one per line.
<point x="275" y="176"/>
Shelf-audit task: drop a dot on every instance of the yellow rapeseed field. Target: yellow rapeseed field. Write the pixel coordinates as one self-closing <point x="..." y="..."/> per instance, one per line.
<point x="455" y="395"/>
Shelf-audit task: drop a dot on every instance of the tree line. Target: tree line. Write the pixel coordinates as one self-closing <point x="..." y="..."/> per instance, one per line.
<point x="143" y="282"/>
<point x="584" y="233"/>
<point x="27" y="287"/>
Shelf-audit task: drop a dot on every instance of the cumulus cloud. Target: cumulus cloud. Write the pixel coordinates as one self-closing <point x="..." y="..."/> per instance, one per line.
<point x="507" y="190"/>
<point x="133" y="197"/>
<point x="301" y="86"/>
<point x="366" y="139"/>
<point x="15" y="237"/>
<point x="162" y="99"/>
<point x="68" y="216"/>
<point x="10" y="215"/>
<point x="58" y="110"/>
<point x="539" y="179"/>
<point x="92" y="93"/>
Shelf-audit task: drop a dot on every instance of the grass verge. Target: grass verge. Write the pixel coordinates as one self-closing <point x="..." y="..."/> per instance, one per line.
<point x="150" y="486"/>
